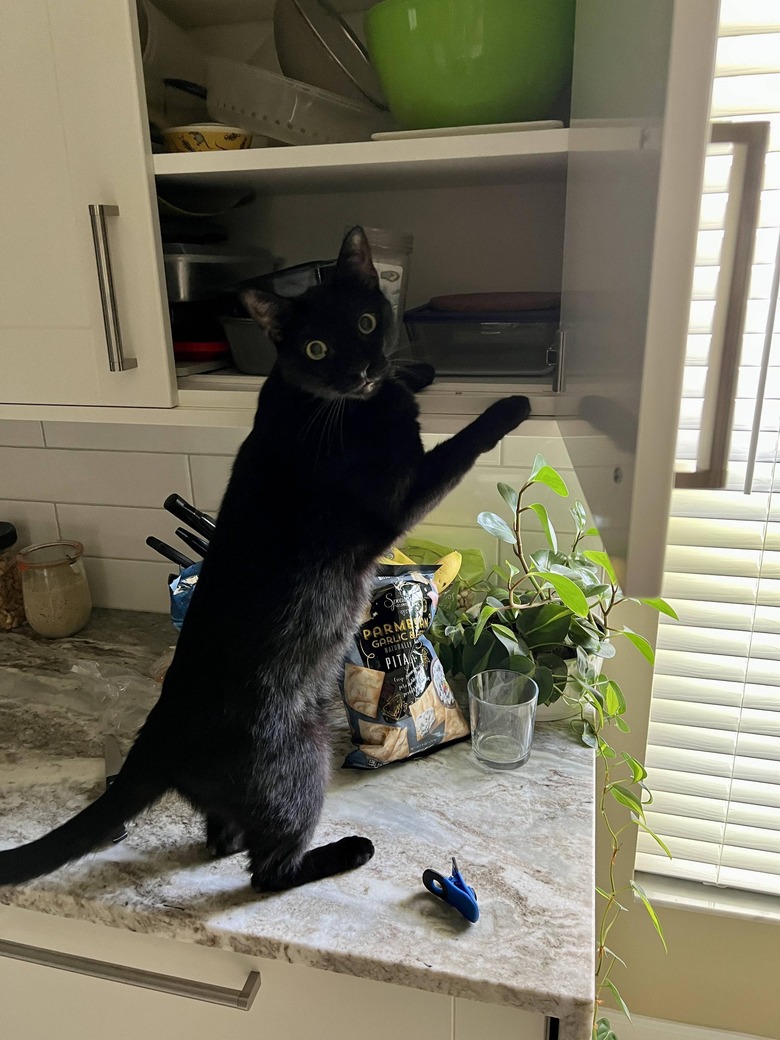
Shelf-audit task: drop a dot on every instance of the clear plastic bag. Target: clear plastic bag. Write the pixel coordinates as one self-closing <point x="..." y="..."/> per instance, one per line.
<point x="122" y="699"/>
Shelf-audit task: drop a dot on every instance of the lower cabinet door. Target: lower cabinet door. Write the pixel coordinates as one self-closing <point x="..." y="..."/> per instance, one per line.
<point x="477" y="1021"/>
<point x="293" y="1002"/>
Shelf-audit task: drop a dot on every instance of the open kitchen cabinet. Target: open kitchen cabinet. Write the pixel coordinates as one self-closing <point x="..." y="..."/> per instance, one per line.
<point x="605" y="210"/>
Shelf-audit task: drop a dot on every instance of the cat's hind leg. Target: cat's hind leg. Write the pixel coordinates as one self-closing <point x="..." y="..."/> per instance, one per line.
<point x="223" y="837"/>
<point x="284" y="869"/>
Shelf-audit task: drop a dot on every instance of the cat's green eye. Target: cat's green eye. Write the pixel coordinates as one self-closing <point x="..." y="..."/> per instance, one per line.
<point x="316" y="349"/>
<point x="366" y="323"/>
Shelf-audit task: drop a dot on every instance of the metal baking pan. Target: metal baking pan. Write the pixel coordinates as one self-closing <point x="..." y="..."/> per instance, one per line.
<point x="191" y="275"/>
<point x="253" y="352"/>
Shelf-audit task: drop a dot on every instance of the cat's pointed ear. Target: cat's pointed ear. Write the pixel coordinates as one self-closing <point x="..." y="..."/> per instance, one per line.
<point x="268" y="310"/>
<point x="355" y="262"/>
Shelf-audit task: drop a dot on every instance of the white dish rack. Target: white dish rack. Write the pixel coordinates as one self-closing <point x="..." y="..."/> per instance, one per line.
<point x="285" y="110"/>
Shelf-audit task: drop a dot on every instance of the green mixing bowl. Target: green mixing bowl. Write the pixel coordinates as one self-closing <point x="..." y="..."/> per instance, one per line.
<point x="467" y="62"/>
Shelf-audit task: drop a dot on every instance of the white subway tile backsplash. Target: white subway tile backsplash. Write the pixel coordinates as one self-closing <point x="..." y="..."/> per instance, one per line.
<point x="130" y="585"/>
<point x="540" y="437"/>
<point x="104" y="484"/>
<point x="94" y="477"/>
<point x="196" y="440"/>
<point x="490" y="458"/>
<point x="21" y="433"/>
<point x="119" y="532"/>
<point x="210" y="474"/>
<point x="477" y="493"/>
<point x="459" y="538"/>
<point x="34" y="521"/>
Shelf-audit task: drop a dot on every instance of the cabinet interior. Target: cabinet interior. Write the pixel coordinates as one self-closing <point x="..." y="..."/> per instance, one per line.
<point x="484" y="218"/>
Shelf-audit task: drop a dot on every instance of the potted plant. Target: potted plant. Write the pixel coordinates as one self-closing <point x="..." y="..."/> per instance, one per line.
<point x="550" y="614"/>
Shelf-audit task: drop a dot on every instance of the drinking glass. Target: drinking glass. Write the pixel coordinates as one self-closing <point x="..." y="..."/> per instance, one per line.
<point x="502" y="707"/>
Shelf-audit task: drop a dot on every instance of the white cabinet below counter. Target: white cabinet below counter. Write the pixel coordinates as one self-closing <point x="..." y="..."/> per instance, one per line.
<point x="293" y="1002"/>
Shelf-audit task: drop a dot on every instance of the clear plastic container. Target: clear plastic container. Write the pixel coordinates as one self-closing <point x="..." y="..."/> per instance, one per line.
<point x="11" y="604"/>
<point x="459" y="343"/>
<point x="263" y="102"/>
<point x="56" y="595"/>
<point x="391" y="252"/>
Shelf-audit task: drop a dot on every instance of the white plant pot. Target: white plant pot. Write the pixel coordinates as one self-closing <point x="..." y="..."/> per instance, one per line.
<point x="563" y="708"/>
<point x="556" y="711"/>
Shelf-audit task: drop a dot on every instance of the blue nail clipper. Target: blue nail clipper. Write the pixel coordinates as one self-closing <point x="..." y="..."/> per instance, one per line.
<point x="453" y="890"/>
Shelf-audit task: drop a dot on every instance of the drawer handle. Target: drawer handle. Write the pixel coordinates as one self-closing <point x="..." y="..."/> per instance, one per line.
<point x="117" y="362"/>
<point x="741" y="221"/>
<point x="235" y="998"/>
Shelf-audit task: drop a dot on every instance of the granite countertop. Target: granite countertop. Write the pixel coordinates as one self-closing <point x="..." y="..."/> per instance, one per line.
<point x="523" y="839"/>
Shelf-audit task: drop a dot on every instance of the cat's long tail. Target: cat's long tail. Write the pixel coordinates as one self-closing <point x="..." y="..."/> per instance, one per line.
<point x="89" y="830"/>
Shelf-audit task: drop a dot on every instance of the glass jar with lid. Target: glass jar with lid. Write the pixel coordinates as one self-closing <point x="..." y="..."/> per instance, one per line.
<point x="56" y="594"/>
<point x="11" y="605"/>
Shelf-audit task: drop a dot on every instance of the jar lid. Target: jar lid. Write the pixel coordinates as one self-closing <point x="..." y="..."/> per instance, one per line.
<point x="8" y="535"/>
<point x="384" y="238"/>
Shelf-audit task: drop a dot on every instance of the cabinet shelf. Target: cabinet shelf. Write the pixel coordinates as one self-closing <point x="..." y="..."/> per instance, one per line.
<point x="418" y="162"/>
<point x="443" y="406"/>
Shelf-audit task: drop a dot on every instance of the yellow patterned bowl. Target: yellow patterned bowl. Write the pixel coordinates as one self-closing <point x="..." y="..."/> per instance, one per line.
<point x="205" y="137"/>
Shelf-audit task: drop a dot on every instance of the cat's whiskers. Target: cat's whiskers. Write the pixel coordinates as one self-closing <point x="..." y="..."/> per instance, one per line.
<point x="317" y="413"/>
<point x="326" y="428"/>
<point x="342" y="410"/>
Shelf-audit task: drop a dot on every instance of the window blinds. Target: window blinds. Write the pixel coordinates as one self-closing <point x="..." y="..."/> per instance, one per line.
<point x="714" y="740"/>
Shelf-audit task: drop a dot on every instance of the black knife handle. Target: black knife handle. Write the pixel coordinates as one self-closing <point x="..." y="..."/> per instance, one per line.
<point x="169" y="552"/>
<point x="192" y="517"/>
<point x="198" y="545"/>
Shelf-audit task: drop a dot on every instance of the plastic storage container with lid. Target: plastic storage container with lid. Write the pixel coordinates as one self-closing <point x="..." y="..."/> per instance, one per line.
<point x="467" y="343"/>
<point x="11" y="604"/>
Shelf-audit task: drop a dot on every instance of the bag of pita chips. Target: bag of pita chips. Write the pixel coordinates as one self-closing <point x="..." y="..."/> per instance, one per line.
<point x="397" y="699"/>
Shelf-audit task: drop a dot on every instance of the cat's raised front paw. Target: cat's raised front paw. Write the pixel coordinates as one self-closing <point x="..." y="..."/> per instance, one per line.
<point x="505" y="415"/>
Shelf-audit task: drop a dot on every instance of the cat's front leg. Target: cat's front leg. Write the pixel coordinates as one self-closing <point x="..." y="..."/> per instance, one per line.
<point x="445" y="465"/>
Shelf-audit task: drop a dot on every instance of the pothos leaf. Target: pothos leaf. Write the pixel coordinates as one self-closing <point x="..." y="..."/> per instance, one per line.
<point x="547" y="527"/>
<point x="620" y="1002"/>
<point x="661" y="606"/>
<point x="601" y="560"/>
<point x="578" y="516"/>
<point x="497" y="527"/>
<point x="642" y="645"/>
<point x="570" y="595"/>
<point x="509" y="495"/>
<point x="552" y="479"/>
<point x="484" y="616"/>
<point x="647" y="905"/>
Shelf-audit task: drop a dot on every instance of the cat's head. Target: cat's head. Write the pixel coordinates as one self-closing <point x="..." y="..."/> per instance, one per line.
<point x="330" y="340"/>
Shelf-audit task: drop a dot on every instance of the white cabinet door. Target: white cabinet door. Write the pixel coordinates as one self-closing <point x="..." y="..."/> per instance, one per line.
<point x="477" y="1021"/>
<point x="293" y="1002"/>
<point x="75" y="135"/>
<point x="640" y="110"/>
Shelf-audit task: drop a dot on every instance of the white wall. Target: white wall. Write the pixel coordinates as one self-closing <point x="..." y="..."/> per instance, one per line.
<point x="104" y="485"/>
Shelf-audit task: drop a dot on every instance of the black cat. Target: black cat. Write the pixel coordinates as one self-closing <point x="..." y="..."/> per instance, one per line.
<point x="332" y="473"/>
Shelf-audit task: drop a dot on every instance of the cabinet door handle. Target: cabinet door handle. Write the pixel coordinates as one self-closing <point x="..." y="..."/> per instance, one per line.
<point x="117" y="362"/>
<point x="741" y="221"/>
<point x="235" y="998"/>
